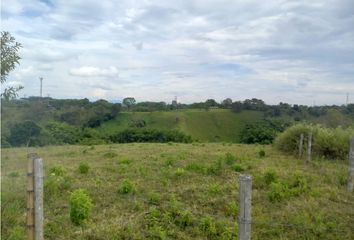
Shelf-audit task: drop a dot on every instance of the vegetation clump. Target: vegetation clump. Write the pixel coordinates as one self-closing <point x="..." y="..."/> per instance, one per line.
<point x="126" y="187"/>
<point x="80" y="206"/>
<point x="84" y="167"/>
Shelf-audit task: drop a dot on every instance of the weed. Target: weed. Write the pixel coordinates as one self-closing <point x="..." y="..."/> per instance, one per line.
<point x="84" y="167"/>
<point x="195" y="167"/>
<point x="184" y="219"/>
<point x="207" y="226"/>
<point x="126" y="187"/>
<point x="169" y="162"/>
<point x="57" y="170"/>
<point x="270" y="176"/>
<point x="214" y="188"/>
<point x="261" y="153"/>
<point x="230" y="159"/>
<point x="238" y="168"/>
<point x="125" y="161"/>
<point x="154" y="198"/>
<point x="215" y="168"/>
<point x="180" y="172"/>
<point x="80" y="206"/>
<point x="278" y="192"/>
<point x="232" y="210"/>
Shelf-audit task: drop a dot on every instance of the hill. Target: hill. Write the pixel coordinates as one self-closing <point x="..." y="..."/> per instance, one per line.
<point x="180" y="191"/>
<point x="206" y="126"/>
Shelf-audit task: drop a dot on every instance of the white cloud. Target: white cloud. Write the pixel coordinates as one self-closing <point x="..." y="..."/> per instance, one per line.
<point x="295" y="51"/>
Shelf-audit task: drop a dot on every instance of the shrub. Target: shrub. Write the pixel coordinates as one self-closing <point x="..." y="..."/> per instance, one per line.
<point x="195" y="167"/>
<point x="80" y="206"/>
<point x="150" y="135"/>
<point x="184" y="219"/>
<point x="232" y="210"/>
<point x="327" y="142"/>
<point x="261" y="153"/>
<point x="214" y="188"/>
<point x="263" y="132"/>
<point x="126" y="187"/>
<point x="84" y="167"/>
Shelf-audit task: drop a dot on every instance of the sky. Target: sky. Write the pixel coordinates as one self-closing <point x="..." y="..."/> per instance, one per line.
<point x="299" y="52"/>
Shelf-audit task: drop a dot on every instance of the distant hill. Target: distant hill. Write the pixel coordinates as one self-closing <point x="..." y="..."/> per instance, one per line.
<point x="207" y="126"/>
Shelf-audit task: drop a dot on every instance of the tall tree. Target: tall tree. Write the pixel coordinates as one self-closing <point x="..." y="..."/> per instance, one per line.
<point x="128" y="102"/>
<point x="9" y="59"/>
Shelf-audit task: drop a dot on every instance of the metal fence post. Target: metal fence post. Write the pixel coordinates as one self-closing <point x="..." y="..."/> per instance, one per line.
<point x="301" y="144"/>
<point x="309" y="146"/>
<point x="38" y="198"/>
<point x="244" y="218"/>
<point x="351" y="166"/>
<point x="30" y="196"/>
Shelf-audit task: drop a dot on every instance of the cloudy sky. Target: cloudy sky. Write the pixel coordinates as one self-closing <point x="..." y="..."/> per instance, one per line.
<point x="291" y="51"/>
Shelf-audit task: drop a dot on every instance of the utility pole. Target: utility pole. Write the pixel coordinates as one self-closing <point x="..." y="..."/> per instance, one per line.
<point x="40" y="93"/>
<point x="347" y="101"/>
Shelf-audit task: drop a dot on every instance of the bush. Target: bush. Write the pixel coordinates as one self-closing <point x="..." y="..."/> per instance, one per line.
<point x="261" y="153"/>
<point x="126" y="187"/>
<point x="278" y="192"/>
<point x="180" y="172"/>
<point x="150" y="135"/>
<point x="238" y="168"/>
<point x="327" y="142"/>
<point x="80" y="207"/>
<point x="84" y="167"/>
<point x="263" y="132"/>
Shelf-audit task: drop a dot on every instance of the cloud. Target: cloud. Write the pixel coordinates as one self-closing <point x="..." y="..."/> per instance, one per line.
<point x="279" y="50"/>
<point x="88" y="71"/>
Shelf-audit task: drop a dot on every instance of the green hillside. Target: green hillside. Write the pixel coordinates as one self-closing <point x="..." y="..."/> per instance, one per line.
<point x="207" y="126"/>
<point x="179" y="191"/>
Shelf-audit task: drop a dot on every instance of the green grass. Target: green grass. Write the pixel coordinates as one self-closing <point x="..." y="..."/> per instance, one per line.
<point x="173" y="194"/>
<point x="215" y="125"/>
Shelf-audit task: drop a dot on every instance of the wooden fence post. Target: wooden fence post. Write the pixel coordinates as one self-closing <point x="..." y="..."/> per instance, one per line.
<point x="351" y="166"/>
<point x="301" y="144"/>
<point x="30" y="196"/>
<point x="244" y="218"/>
<point x="38" y="198"/>
<point x="309" y="146"/>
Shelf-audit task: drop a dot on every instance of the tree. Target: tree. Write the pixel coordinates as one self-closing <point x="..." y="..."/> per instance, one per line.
<point x="211" y="103"/>
<point x="227" y="103"/>
<point x="23" y="133"/>
<point x="9" y="60"/>
<point x="128" y="102"/>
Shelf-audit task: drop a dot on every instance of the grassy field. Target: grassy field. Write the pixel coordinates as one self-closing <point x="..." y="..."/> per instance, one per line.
<point x="180" y="191"/>
<point x="214" y="125"/>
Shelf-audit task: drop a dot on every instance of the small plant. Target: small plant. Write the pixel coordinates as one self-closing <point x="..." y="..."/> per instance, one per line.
<point x="270" y="176"/>
<point x="232" y="210"/>
<point x="57" y="170"/>
<point x="84" y="167"/>
<point x="184" y="219"/>
<point x="238" y="168"/>
<point x="169" y="162"/>
<point x="126" y="187"/>
<point x="230" y="159"/>
<point x="195" y="167"/>
<point x="125" y="161"/>
<point x="207" y="226"/>
<point x="278" y="192"/>
<point x="154" y="198"/>
<point x="261" y="153"/>
<point x="214" y="188"/>
<point x="180" y="172"/>
<point x="215" y="168"/>
<point x="80" y="206"/>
